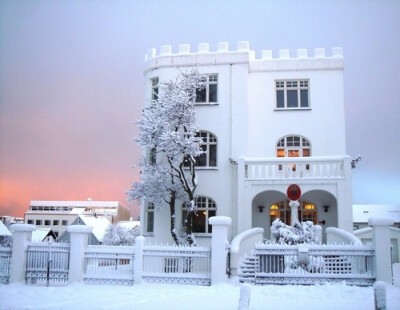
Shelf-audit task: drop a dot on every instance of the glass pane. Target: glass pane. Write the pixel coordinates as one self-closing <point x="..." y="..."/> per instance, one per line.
<point x="213" y="156"/>
<point x="292" y="101"/>
<point x="304" y="98"/>
<point x="210" y="214"/>
<point x="306" y="152"/>
<point x="150" y="221"/>
<point x="201" y="160"/>
<point x="199" y="220"/>
<point x="280" y="101"/>
<point x="212" y="93"/>
<point x="201" y="95"/>
<point x="280" y="153"/>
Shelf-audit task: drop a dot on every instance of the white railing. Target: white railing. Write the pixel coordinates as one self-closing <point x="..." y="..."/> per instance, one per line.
<point x="47" y="262"/>
<point x="5" y="259"/>
<point x="177" y="264"/>
<point x="109" y="264"/>
<point x="308" y="264"/>
<point x="295" y="168"/>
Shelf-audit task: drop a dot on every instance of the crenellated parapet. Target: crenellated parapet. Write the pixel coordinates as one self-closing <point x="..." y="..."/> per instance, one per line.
<point x="300" y="59"/>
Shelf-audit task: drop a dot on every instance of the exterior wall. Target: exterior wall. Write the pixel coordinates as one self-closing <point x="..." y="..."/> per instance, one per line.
<point x="248" y="126"/>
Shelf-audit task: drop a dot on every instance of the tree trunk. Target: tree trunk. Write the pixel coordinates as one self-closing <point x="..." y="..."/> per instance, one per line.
<point x="173" y="219"/>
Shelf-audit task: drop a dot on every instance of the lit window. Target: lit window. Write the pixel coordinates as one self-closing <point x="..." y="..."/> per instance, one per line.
<point x="293" y="146"/>
<point x="281" y="209"/>
<point x="154" y="88"/>
<point x="208" y="94"/>
<point x="205" y="208"/>
<point x="292" y="94"/>
<point x="150" y="218"/>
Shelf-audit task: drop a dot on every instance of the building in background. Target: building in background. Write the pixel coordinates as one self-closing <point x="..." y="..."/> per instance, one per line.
<point x="57" y="215"/>
<point x="266" y="123"/>
<point x="361" y="214"/>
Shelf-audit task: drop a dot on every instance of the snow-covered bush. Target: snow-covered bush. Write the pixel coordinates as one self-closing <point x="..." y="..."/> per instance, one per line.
<point x="6" y="241"/>
<point x="117" y="235"/>
<point x="299" y="233"/>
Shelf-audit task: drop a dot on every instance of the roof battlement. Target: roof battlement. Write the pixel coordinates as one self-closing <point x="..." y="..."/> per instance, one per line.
<point x="165" y="57"/>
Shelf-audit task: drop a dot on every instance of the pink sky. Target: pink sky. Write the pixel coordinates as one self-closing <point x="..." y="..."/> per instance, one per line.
<point x="71" y="85"/>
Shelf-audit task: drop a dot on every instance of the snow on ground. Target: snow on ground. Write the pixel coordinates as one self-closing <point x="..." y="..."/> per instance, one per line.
<point x="149" y="296"/>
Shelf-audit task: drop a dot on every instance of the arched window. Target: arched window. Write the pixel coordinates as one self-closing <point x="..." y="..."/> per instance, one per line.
<point x="293" y="146"/>
<point x="205" y="208"/>
<point x="281" y="209"/>
<point x="209" y="147"/>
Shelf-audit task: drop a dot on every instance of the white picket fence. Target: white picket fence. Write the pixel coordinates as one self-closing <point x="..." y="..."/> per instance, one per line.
<point x="5" y="259"/>
<point x="177" y="264"/>
<point x="309" y="264"/>
<point x="47" y="262"/>
<point x="109" y="264"/>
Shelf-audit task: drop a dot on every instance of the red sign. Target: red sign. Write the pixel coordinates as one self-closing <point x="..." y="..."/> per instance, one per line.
<point x="293" y="192"/>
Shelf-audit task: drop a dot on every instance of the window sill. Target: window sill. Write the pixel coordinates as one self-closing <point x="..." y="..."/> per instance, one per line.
<point x="206" y="168"/>
<point x="292" y="109"/>
<point x="149" y="234"/>
<point x="206" y="103"/>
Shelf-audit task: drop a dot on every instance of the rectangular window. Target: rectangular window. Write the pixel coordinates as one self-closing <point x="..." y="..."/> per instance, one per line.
<point x="292" y="94"/>
<point x="47" y="222"/>
<point x="30" y="221"/>
<point x="64" y="223"/>
<point x="209" y="94"/>
<point x="38" y="222"/>
<point x="153" y="156"/>
<point x="56" y="222"/>
<point x="150" y="218"/>
<point x="154" y="88"/>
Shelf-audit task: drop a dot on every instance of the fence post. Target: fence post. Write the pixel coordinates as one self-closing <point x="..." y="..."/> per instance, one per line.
<point x="79" y="235"/>
<point x="381" y="241"/>
<point x="138" y="262"/>
<point x="22" y="235"/>
<point x="219" y="247"/>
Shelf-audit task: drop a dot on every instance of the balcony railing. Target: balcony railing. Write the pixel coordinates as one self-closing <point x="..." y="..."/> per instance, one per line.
<point x="296" y="168"/>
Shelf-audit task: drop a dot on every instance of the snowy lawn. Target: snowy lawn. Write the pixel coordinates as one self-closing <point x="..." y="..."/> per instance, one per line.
<point x="148" y="296"/>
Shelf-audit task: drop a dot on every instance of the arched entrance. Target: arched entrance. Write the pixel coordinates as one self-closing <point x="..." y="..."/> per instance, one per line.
<point x="318" y="206"/>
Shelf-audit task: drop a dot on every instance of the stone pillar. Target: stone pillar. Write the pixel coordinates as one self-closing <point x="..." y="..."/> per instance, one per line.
<point x="79" y="235"/>
<point x="294" y="212"/>
<point x="22" y="235"/>
<point x="381" y="242"/>
<point x="219" y="247"/>
<point x="138" y="262"/>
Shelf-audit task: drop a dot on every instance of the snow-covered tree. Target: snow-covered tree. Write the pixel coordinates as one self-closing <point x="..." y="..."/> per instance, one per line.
<point x="117" y="235"/>
<point x="168" y="129"/>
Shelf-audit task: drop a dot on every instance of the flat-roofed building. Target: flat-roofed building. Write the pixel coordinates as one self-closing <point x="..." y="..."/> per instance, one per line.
<point x="57" y="215"/>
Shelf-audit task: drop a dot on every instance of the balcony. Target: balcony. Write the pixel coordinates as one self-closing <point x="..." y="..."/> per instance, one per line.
<point x="299" y="168"/>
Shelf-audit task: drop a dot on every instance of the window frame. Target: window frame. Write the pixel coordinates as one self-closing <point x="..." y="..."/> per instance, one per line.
<point x="210" y="207"/>
<point x="284" y="209"/>
<point x="212" y="79"/>
<point x="286" y="86"/>
<point x="155" y="88"/>
<point x="149" y="215"/>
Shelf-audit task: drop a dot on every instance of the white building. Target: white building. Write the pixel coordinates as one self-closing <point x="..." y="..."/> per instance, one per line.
<point x="266" y="122"/>
<point x="361" y="214"/>
<point x="57" y="215"/>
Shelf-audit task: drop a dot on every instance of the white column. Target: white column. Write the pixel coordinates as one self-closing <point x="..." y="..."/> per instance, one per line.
<point x="138" y="262"/>
<point x="79" y="235"/>
<point x="22" y="235"/>
<point x="294" y="209"/>
<point x="219" y="247"/>
<point x="381" y="241"/>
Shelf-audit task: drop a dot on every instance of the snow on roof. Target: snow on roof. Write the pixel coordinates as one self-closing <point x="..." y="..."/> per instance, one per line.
<point x="78" y="210"/>
<point x="361" y="213"/>
<point x="129" y="224"/>
<point x="98" y="223"/>
<point x="4" y="230"/>
<point x="39" y="234"/>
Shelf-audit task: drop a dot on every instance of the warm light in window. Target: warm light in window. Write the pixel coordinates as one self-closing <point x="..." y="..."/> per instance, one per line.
<point x="280" y="153"/>
<point x="274" y="207"/>
<point x="309" y="207"/>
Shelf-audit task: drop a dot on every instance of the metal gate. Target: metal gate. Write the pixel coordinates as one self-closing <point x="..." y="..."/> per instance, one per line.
<point x="47" y="263"/>
<point x="5" y="259"/>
